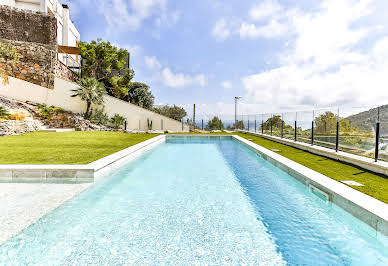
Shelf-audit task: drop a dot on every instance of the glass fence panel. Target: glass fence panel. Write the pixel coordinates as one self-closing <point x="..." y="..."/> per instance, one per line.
<point x="255" y="124"/>
<point x="244" y="124"/>
<point x="325" y="127"/>
<point x="266" y="123"/>
<point x="249" y="123"/>
<point x="277" y="125"/>
<point x="303" y="126"/>
<point x="383" y="143"/>
<point x="200" y="124"/>
<point x="289" y="125"/>
<point x="357" y="130"/>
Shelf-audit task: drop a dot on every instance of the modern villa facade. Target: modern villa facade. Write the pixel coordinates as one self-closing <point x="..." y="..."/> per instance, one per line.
<point x="68" y="36"/>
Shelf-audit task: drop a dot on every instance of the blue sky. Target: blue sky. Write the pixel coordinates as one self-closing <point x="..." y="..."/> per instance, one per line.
<point x="278" y="54"/>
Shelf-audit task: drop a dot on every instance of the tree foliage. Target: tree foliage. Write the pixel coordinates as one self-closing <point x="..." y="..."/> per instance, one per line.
<point x="102" y="60"/>
<point x="91" y="91"/>
<point x="140" y="94"/>
<point x="238" y="125"/>
<point x="276" y="122"/>
<point x="326" y="123"/>
<point x="174" y="112"/>
<point x="215" y="124"/>
<point x="106" y="63"/>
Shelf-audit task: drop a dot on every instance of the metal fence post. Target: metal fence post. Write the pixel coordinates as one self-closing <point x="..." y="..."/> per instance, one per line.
<point x="202" y="124"/>
<point x="312" y="133"/>
<point x="182" y="125"/>
<point x="377" y="135"/>
<point x="312" y="130"/>
<point x="295" y="131"/>
<point x="248" y="123"/>
<point x="296" y="118"/>
<point x="255" y="125"/>
<point x="125" y="125"/>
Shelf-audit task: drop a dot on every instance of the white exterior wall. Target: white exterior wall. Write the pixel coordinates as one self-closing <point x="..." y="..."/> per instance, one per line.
<point x="60" y="96"/>
<point x="34" y="5"/>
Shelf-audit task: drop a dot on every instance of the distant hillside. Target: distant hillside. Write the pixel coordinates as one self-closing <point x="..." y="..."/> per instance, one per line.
<point x="367" y="120"/>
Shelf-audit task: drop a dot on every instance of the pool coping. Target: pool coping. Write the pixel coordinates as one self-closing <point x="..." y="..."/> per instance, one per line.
<point x="362" y="206"/>
<point x="60" y="173"/>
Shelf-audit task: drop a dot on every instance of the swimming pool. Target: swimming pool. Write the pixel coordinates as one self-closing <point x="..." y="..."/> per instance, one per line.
<point x="197" y="201"/>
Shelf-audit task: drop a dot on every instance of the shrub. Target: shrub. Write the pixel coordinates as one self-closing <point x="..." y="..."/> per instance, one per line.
<point x="99" y="117"/>
<point x="17" y="116"/>
<point x="117" y="121"/>
<point x="3" y="112"/>
<point x="45" y="112"/>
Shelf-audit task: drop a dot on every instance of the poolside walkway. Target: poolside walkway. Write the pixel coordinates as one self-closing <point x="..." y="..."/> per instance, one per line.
<point x="23" y="204"/>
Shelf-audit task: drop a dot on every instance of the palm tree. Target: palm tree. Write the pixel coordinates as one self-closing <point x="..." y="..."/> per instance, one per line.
<point x="117" y="121"/>
<point x="91" y="91"/>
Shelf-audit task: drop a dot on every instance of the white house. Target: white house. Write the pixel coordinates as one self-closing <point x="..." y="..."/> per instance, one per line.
<point x="67" y="34"/>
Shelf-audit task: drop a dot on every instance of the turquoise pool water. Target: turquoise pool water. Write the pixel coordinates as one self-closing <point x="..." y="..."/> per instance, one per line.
<point x="197" y="201"/>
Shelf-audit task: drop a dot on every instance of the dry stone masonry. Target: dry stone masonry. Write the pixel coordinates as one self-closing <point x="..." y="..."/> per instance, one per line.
<point x="33" y="34"/>
<point x="35" y="64"/>
<point x="27" y="26"/>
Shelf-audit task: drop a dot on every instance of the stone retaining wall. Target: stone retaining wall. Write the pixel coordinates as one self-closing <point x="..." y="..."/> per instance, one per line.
<point x="63" y="72"/>
<point x="35" y="64"/>
<point x="27" y="26"/>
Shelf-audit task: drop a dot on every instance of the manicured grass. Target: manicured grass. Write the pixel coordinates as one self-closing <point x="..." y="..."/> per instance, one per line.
<point x="375" y="185"/>
<point x="64" y="148"/>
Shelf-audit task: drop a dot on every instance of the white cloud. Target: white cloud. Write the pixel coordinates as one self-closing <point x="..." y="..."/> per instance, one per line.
<point x="152" y="63"/>
<point x="221" y="30"/>
<point x="271" y="30"/>
<point x="170" y="79"/>
<point x="180" y="80"/>
<point x="323" y="65"/>
<point x="129" y="14"/>
<point x="226" y="84"/>
<point x="267" y="19"/>
<point x="167" y="19"/>
<point x="265" y="9"/>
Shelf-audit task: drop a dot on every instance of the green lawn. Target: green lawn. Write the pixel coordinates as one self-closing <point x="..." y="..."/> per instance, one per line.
<point x="64" y="148"/>
<point x="375" y="185"/>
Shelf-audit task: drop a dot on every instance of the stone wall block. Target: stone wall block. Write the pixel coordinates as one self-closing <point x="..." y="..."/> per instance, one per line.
<point x="24" y="25"/>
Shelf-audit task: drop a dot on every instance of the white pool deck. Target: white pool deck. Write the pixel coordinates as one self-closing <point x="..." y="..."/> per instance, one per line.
<point x="23" y="203"/>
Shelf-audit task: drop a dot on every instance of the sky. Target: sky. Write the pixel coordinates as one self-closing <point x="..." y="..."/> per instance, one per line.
<point x="279" y="55"/>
